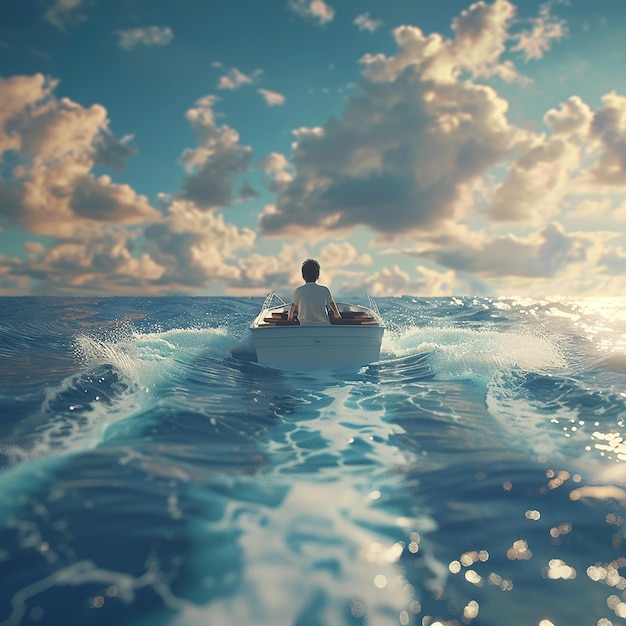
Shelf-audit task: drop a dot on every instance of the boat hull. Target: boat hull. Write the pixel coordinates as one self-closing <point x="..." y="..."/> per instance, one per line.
<point x="314" y="347"/>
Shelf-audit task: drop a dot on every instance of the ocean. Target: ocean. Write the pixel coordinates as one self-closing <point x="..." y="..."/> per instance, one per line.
<point x="153" y="474"/>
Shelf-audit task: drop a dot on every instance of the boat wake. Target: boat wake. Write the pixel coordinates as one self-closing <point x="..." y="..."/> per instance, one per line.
<point x="121" y="376"/>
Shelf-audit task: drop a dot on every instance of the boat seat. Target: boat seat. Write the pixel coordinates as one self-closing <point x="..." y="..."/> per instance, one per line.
<point x="348" y="318"/>
<point x="358" y="321"/>
<point x="354" y="315"/>
<point x="277" y="320"/>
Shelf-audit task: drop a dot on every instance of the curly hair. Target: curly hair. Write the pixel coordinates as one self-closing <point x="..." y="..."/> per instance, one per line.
<point x="310" y="270"/>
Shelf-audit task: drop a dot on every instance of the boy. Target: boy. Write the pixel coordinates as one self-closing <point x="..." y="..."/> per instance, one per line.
<point x="311" y="299"/>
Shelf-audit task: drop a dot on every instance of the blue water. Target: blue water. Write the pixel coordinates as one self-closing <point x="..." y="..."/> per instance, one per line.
<point x="152" y="473"/>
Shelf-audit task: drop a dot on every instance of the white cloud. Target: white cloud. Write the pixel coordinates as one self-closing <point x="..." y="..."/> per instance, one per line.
<point x="19" y="94"/>
<point x="393" y="281"/>
<point x="574" y="117"/>
<point x="63" y="12"/>
<point x="274" y="272"/>
<point x="592" y="209"/>
<point x="234" y="79"/>
<point x="50" y="189"/>
<point x="100" y="200"/>
<point x="413" y="151"/>
<point x="609" y="128"/>
<point x="613" y="262"/>
<point x="585" y="152"/>
<point x="313" y="9"/>
<point x="272" y="98"/>
<point x="537" y="182"/>
<point x="481" y="35"/>
<point x="277" y="168"/>
<point x="418" y="134"/>
<point x="274" y="162"/>
<point x="546" y="28"/>
<point x="396" y="160"/>
<point x="341" y="254"/>
<point x="365" y="22"/>
<point x="620" y="212"/>
<point x="543" y="253"/>
<point x="95" y="260"/>
<point x="107" y="237"/>
<point x="194" y="246"/>
<point x="219" y="157"/>
<point x="586" y="273"/>
<point x="144" y="36"/>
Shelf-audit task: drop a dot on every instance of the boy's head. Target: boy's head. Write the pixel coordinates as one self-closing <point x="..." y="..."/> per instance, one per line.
<point x="310" y="270"/>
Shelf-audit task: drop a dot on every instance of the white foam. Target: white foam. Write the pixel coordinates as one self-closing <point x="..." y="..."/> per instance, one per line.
<point x="141" y="362"/>
<point x="320" y="538"/>
<point x="466" y="353"/>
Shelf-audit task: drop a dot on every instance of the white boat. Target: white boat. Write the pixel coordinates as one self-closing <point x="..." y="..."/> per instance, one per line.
<point x="353" y="340"/>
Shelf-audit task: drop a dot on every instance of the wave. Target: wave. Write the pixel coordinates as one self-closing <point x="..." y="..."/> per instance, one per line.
<point x="474" y="354"/>
<point x="121" y="376"/>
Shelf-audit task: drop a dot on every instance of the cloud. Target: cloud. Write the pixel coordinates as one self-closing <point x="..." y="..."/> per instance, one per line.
<point x="585" y="149"/>
<point x="574" y="117"/>
<point x="234" y="79"/>
<point x="620" y="211"/>
<point x="402" y="151"/>
<point x="392" y="281"/>
<point x="593" y="209"/>
<point x="481" y="35"/>
<point x="188" y="250"/>
<point x="107" y="238"/>
<point x="538" y="180"/>
<point x="365" y="22"/>
<point x="277" y="170"/>
<point x="274" y="163"/>
<point x="19" y="94"/>
<point x="341" y="254"/>
<point x="313" y="9"/>
<point x="48" y="188"/>
<point x="422" y="133"/>
<point x="212" y="166"/>
<point x="281" y="272"/>
<point x="273" y="272"/>
<point x="609" y="129"/>
<point x="94" y="261"/>
<point x="546" y="28"/>
<point x="63" y="12"/>
<point x="613" y="262"/>
<point x="144" y="36"/>
<point x="100" y="200"/>
<point x="193" y="246"/>
<point x="544" y="253"/>
<point x="112" y="152"/>
<point x="433" y="58"/>
<point x="272" y="98"/>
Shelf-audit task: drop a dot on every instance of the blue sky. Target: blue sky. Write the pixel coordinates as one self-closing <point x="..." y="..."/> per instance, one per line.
<point x="208" y="148"/>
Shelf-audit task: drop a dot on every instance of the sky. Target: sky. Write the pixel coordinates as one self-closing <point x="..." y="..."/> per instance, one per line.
<point x="150" y="147"/>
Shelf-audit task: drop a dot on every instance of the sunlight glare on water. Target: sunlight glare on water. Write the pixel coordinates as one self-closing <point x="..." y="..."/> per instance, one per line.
<point x="603" y="320"/>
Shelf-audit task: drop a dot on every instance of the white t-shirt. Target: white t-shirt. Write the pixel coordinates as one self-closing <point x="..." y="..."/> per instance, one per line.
<point x="311" y="300"/>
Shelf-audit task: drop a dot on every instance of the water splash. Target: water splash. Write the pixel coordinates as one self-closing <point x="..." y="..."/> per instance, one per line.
<point x="458" y="353"/>
<point x="121" y="376"/>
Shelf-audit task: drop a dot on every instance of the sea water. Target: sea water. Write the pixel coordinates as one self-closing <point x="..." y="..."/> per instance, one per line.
<point x="152" y="473"/>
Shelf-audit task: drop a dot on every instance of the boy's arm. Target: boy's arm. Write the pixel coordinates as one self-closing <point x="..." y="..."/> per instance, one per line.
<point x="292" y="310"/>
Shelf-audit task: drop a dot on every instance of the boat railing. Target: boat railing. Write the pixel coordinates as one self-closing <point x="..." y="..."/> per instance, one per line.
<point x="351" y="314"/>
<point x="272" y="300"/>
<point x="370" y="303"/>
